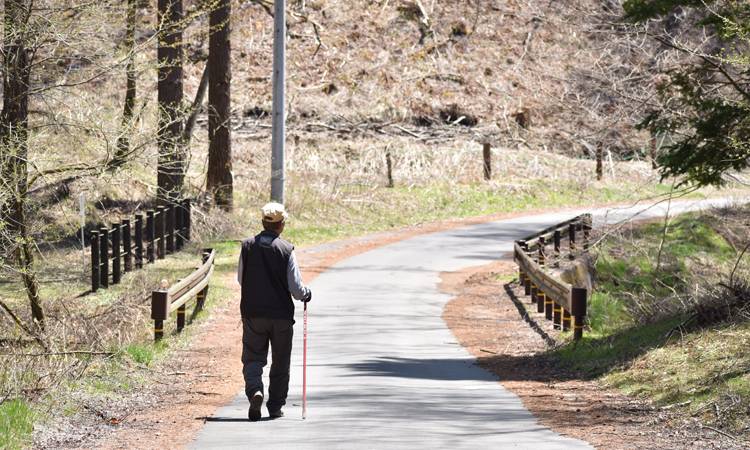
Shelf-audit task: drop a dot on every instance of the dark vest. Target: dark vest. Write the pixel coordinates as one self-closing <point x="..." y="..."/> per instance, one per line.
<point x="265" y="289"/>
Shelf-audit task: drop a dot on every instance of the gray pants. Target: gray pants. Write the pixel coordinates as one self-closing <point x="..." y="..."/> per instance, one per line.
<point x="257" y="333"/>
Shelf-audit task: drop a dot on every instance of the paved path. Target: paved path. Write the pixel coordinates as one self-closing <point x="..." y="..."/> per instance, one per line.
<point x="384" y="372"/>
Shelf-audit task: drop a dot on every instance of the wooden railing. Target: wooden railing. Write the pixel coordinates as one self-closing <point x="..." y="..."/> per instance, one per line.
<point x="558" y="300"/>
<point x="166" y="231"/>
<point x="175" y="299"/>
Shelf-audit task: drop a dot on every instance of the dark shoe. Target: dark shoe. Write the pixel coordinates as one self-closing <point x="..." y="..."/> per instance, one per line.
<point x="255" y="404"/>
<point x="275" y="414"/>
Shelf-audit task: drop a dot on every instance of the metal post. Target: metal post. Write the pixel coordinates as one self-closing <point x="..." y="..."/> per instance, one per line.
<point x="126" y="246"/>
<point x="139" y="241"/>
<point x="572" y="240"/>
<point x="150" y="227"/>
<point x="178" y="242"/>
<point x="278" y="172"/>
<point x="115" y="253"/>
<point x="104" y="255"/>
<point x="95" y="265"/>
<point x="487" y="161"/>
<point x="170" y="228"/>
<point x="186" y="219"/>
<point x="161" y="247"/>
<point x="557" y="316"/>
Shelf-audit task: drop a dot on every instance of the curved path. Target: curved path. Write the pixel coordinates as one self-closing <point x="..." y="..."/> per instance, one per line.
<point x="384" y="371"/>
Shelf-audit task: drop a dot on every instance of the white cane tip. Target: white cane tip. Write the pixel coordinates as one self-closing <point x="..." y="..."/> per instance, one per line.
<point x="303" y="415"/>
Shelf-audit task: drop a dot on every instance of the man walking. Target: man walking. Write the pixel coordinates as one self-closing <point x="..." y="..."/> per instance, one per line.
<point x="269" y="276"/>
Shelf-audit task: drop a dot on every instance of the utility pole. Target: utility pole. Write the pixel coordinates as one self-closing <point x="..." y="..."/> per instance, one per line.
<point x="278" y="170"/>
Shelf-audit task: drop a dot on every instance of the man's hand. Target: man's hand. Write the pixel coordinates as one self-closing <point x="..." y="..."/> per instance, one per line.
<point x="308" y="297"/>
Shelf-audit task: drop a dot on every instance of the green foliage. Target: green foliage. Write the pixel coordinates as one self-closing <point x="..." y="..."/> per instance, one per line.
<point x="704" y="103"/>
<point x="16" y="424"/>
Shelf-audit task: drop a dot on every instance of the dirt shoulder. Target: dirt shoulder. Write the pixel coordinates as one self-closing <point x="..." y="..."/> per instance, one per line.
<point x="190" y="387"/>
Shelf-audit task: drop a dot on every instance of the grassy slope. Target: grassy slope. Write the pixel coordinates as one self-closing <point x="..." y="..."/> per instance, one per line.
<point x="702" y="369"/>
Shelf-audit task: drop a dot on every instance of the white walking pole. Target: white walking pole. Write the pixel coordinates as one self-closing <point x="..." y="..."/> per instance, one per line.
<point x="304" y="366"/>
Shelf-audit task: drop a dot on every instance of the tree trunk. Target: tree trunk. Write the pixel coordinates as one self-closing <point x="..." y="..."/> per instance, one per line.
<point x="123" y="143"/>
<point x="219" y="177"/>
<point x="14" y="133"/>
<point x="171" y="157"/>
<point x="15" y="113"/>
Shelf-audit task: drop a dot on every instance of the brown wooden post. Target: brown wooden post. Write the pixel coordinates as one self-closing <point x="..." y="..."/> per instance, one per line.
<point x="201" y="300"/>
<point x="139" y="241"/>
<point x="520" y="269"/>
<point x="599" y="170"/>
<point x="160" y="306"/>
<point x="578" y="310"/>
<point x="389" y="166"/>
<point x="170" y="228"/>
<point x="534" y="293"/>
<point x="586" y="225"/>
<point x="557" y="247"/>
<point x="548" y="308"/>
<point x="180" y="318"/>
<point x="95" y="263"/>
<point x="566" y="320"/>
<point x="186" y="219"/>
<point x="126" y="246"/>
<point x="161" y="247"/>
<point x="116" y="253"/>
<point x="557" y="316"/>
<point x="527" y="280"/>
<point x="542" y="243"/>
<point x="178" y="241"/>
<point x="104" y="252"/>
<point x="487" y="161"/>
<point x="150" y="231"/>
<point x="572" y="240"/>
<point x="541" y="298"/>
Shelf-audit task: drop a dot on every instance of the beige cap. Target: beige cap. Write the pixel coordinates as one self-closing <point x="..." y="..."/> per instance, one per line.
<point x="273" y="212"/>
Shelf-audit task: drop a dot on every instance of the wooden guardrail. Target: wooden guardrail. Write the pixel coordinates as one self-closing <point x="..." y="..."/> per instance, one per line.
<point x="166" y="301"/>
<point x="166" y="231"/>
<point x="558" y="300"/>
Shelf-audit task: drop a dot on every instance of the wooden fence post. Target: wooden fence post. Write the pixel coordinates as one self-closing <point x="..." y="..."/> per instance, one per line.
<point x="116" y="253"/>
<point x="599" y="170"/>
<point x="178" y="242"/>
<point x="578" y="310"/>
<point x="586" y="225"/>
<point x="104" y="252"/>
<point x="186" y="219"/>
<point x="139" y="241"/>
<point x="542" y="244"/>
<point x="572" y="240"/>
<point x="557" y="247"/>
<point x="95" y="263"/>
<point x="487" y="156"/>
<point x="126" y="246"/>
<point x="160" y="306"/>
<point x="161" y="247"/>
<point x="170" y="228"/>
<point x="150" y="227"/>
<point x="389" y="165"/>
<point x="201" y="297"/>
